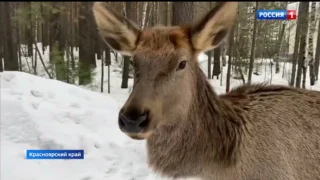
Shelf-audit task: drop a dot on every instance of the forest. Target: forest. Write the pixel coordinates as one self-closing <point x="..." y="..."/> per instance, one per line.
<point x="68" y="33"/>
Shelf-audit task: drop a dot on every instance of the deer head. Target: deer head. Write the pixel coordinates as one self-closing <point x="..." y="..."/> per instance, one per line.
<point x="165" y="62"/>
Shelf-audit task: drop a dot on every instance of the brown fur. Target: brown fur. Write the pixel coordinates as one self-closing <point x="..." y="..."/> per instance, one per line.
<point x="253" y="132"/>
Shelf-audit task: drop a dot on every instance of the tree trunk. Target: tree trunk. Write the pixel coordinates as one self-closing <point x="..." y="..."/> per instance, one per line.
<point x="278" y="46"/>
<point x="102" y="71"/>
<point x="182" y="12"/>
<point x="131" y="14"/>
<point x="76" y="28"/>
<point x="302" y="47"/>
<point x="108" y="63"/>
<point x="224" y="53"/>
<point x="317" y="56"/>
<point x="296" y="46"/>
<point x="253" y="45"/>
<point x="29" y="28"/>
<point x="209" y="54"/>
<point x="162" y="12"/>
<point x="2" y="35"/>
<point x="44" y="30"/>
<point x="154" y="14"/>
<point x="98" y="43"/>
<point x="145" y="12"/>
<point x="93" y="33"/>
<point x="98" y="47"/>
<point x="84" y="69"/>
<point x="57" y="41"/>
<point x="312" y="29"/>
<point x="216" y="62"/>
<point x="231" y="42"/>
<point x="86" y="52"/>
<point x="147" y="18"/>
<point x="72" y="34"/>
<point x="53" y="27"/>
<point x="107" y="56"/>
<point x="18" y="46"/>
<point x="169" y="14"/>
<point x="10" y="57"/>
<point x="125" y="72"/>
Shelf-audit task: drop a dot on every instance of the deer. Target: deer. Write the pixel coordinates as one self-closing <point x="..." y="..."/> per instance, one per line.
<point x="255" y="131"/>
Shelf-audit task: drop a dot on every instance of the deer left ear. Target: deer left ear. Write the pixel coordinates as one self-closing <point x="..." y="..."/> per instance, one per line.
<point x="117" y="31"/>
<point x="214" y="27"/>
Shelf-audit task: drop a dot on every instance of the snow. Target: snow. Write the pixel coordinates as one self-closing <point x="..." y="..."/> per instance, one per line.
<point x="39" y="113"/>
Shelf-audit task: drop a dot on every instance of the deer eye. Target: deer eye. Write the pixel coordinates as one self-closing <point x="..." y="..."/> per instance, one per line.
<point x="182" y="65"/>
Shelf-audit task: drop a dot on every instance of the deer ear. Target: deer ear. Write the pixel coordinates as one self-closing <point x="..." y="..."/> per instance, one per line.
<point x="117" y="31"/>
<point x="214" y="27"/>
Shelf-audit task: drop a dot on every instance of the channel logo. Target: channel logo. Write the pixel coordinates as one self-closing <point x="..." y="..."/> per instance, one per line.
<point x="276" y="14"/>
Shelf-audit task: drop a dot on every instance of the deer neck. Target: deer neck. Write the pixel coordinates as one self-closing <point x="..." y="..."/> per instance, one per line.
<point x="219" y="122"/>
<point x="211" y="136"/>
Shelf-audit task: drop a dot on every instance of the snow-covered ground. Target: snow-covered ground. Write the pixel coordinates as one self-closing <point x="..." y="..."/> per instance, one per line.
<point x="38" y="113"/>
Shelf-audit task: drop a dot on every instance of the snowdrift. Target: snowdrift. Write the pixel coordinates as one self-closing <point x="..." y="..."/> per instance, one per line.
<point x="38" y="113"/>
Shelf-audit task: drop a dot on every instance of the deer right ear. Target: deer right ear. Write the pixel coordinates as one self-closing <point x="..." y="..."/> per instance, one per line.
<point x="117" y="31"/>
<point x="214" y="27"/>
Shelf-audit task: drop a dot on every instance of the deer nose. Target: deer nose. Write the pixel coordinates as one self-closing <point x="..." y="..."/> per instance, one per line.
<point x="133" y="125"/>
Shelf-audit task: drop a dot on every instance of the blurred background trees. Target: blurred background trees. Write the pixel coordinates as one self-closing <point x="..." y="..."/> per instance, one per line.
<point x="62" y="39"/>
